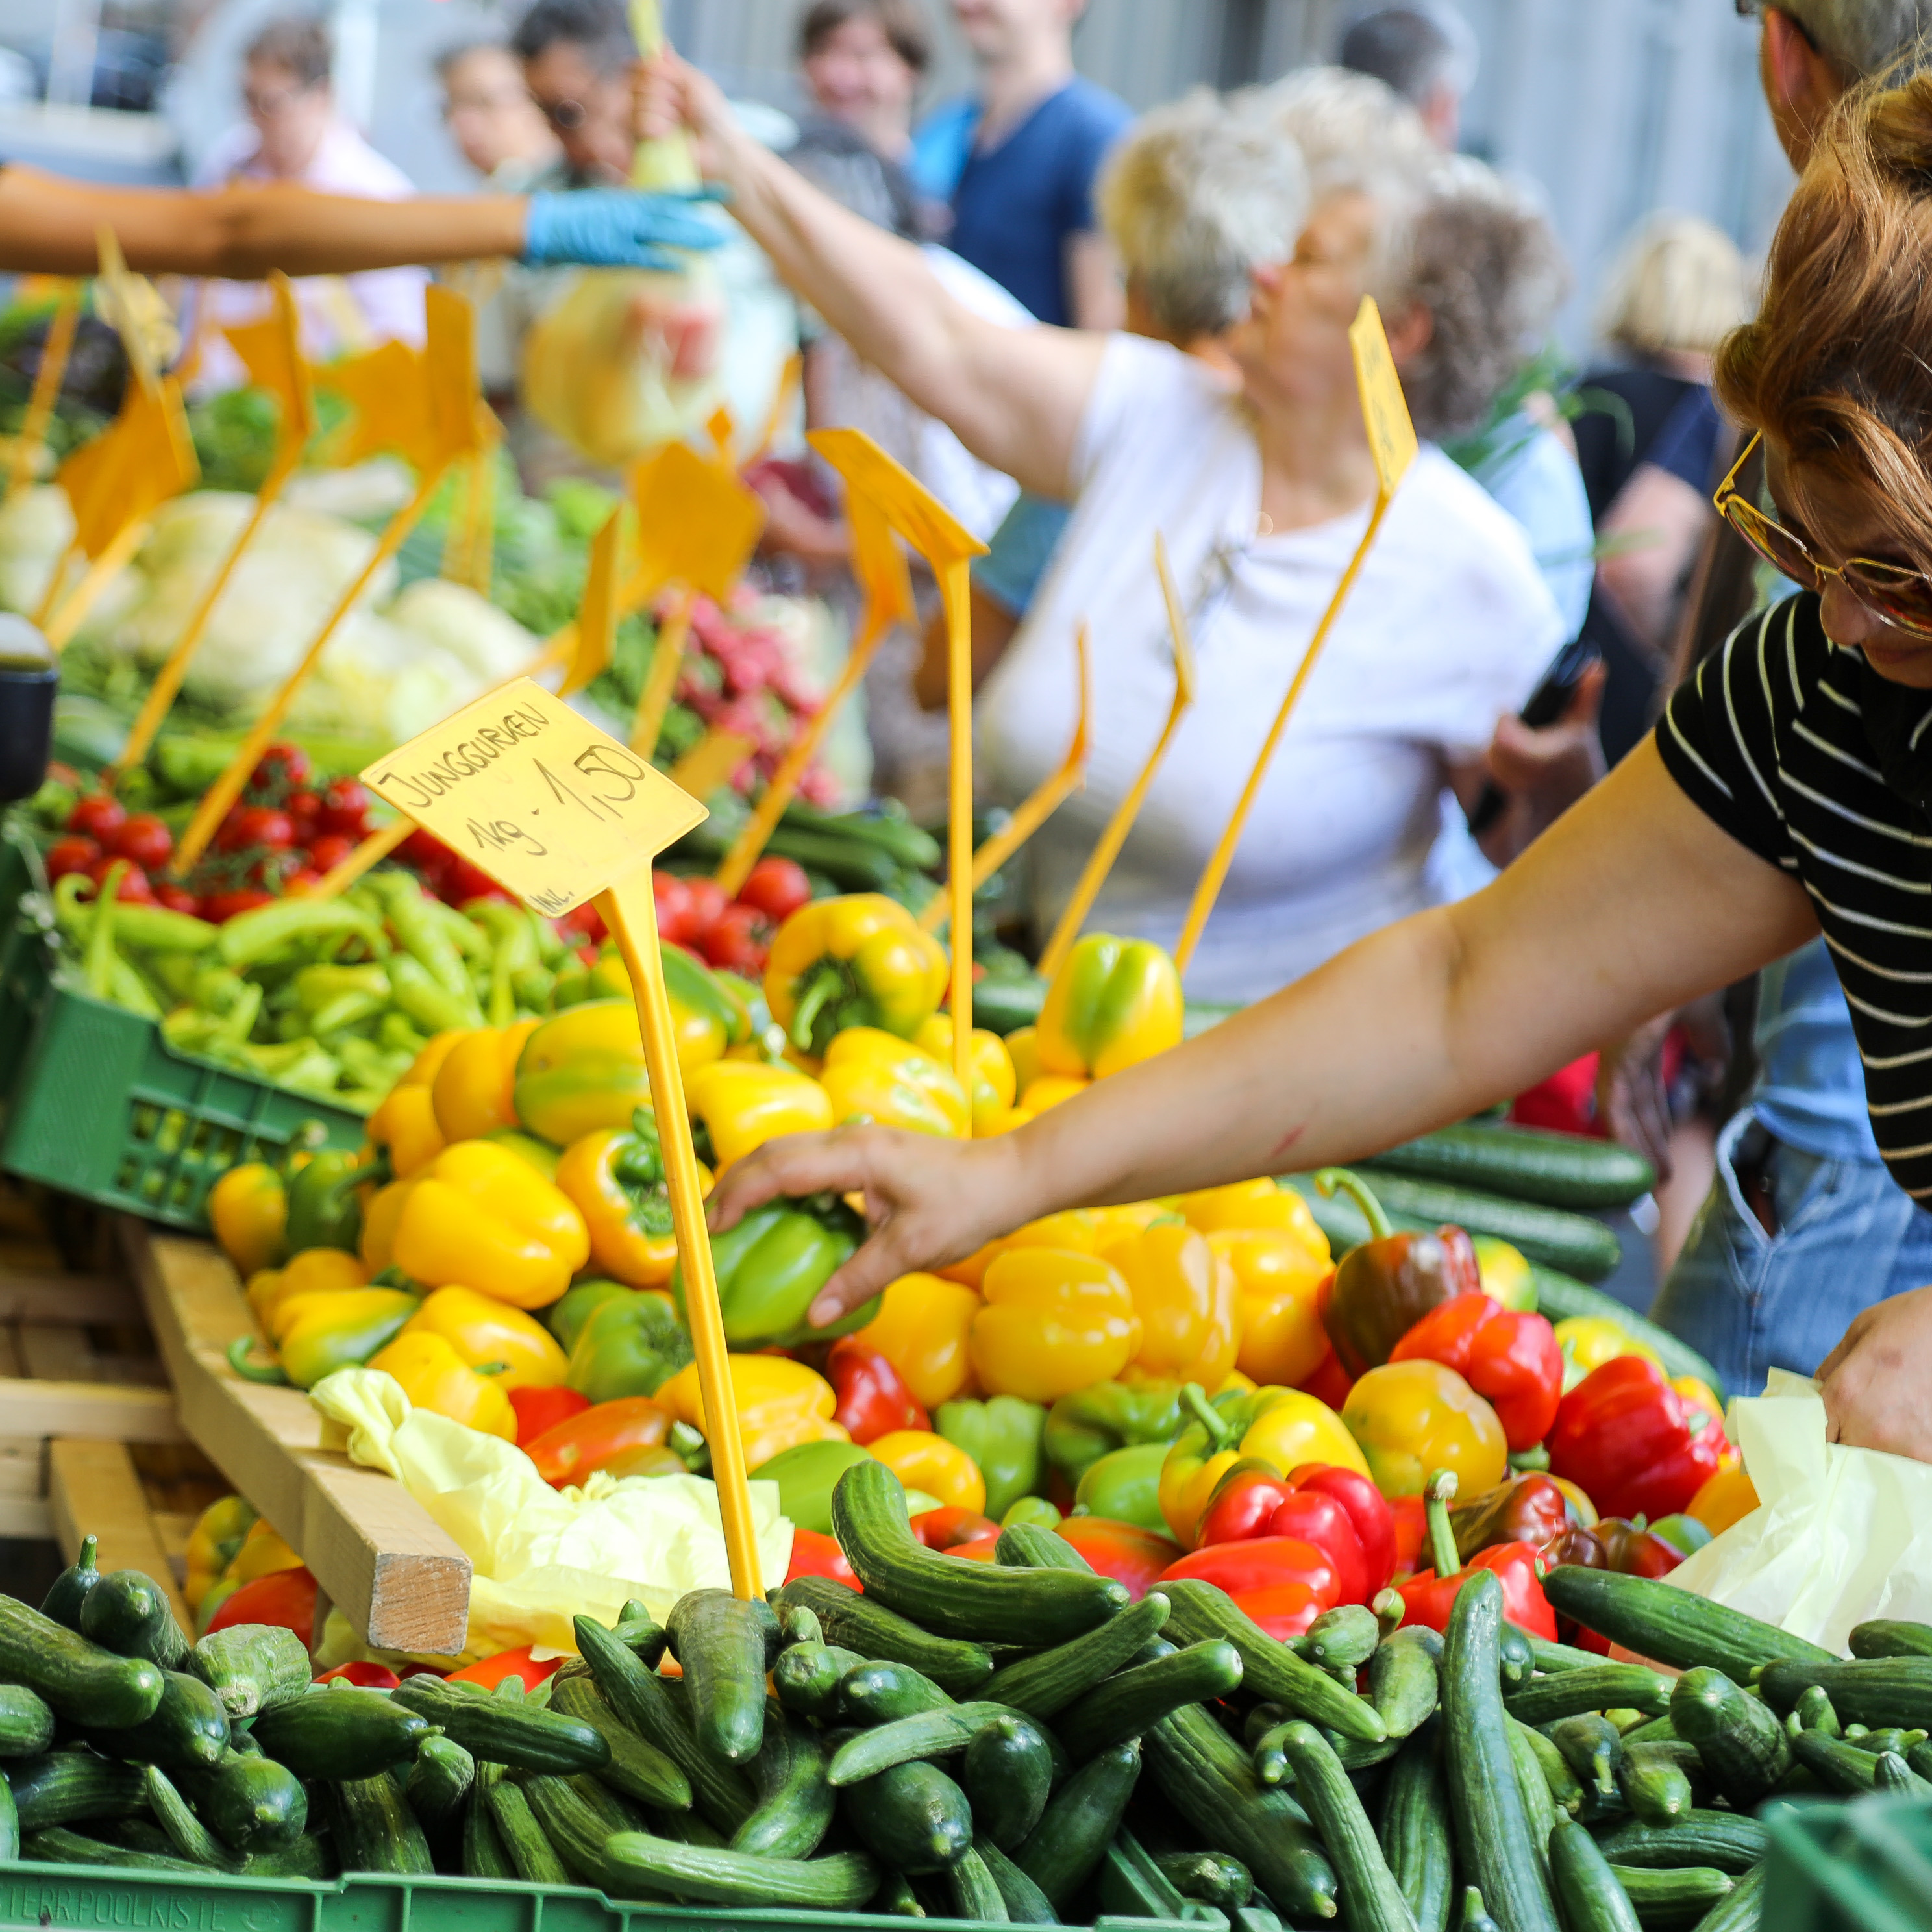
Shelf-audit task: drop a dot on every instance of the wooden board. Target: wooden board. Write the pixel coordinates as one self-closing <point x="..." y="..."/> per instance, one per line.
<point x="398" y="1577"/>
<point x="66" y="1298"/>
<point x="92" y="1490"/>
<point x="125" y="1413"/>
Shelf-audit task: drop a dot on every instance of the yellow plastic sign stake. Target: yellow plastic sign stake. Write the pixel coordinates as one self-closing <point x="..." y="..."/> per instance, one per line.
<point x="1100" y="862"/>
<point x="1033" y="812"/>
<point x="948" y="546"/>
<point x="1392" y="444"/>
<point x="48" y="378"/>
<point x="442" y="427"/>
<point x="879" y="566"/>
<point x="595" y="633"/>
<point x="661" y="682"/>
<point x="721" y="428"/>
<point x="271" y="351"/>
<point x="370" y="852"/>
<point x="711" y="761"/>
<point x="557" y="812"/>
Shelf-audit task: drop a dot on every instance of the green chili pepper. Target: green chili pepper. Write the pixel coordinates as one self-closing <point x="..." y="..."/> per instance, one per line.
<point x="251" y="937"/>
<point x="101" y="954"/>
<point x="144" y="928"/>
<point x="394" y="1034"/>
<point x="1003" y="1435"/>
<point x="423" y="937"/>
<point x="128" y="987"/>
<point x="323" y="1210"/>
<point x="421" y="999"/>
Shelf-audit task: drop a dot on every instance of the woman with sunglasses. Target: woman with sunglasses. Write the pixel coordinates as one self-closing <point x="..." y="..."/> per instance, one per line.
<point x="1788" y="790"/>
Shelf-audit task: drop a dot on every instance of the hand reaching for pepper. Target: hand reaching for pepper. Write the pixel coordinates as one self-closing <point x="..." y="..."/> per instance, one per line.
<point x="1875" y="1379"/>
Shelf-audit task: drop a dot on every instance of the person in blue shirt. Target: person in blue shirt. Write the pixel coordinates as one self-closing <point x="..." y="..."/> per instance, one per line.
<point x="1017" y="162"/>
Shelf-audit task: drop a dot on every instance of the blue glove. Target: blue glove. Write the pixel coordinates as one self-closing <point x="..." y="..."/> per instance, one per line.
<point x="616" y="228"/>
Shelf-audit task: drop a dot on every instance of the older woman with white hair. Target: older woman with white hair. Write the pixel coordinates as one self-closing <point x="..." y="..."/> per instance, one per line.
<point x="1262" y="484"/>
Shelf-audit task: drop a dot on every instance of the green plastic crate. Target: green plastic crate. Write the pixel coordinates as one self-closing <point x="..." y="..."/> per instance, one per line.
<point x="84" y="1897"/>
<point x="94" y="1101"/>
<point x="1865" y="1866"/>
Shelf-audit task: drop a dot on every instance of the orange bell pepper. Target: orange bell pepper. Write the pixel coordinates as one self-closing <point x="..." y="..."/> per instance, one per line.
<point x="923" y="1461"/>
<point x="1278" y="1279"/>
<point x="1185" y="1296"/>
<point x="248" y="1210"/>
<point x="1055" y="1320"/>
<point x="1728" y="1497"/>
<point x="474" y="1090"/>
<point x="1411" y="1417"/>
<point x="924" y="1328"/>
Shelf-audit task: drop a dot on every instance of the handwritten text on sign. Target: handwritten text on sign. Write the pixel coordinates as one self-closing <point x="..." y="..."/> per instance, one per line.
<point x="550" y="807"/>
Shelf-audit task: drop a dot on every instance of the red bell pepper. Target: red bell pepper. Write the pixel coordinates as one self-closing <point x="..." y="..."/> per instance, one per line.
<point x="1123" y="1551"/>
<point x="489" y="1672"/>
<point x="873" y="1398"/>
<point x="1411" y="1536"/>
<point x="978" y="1549"/>
<point x="1261" y="1563"/>
<point x="1248" y="1494"/>
<point x="1283" y="1609"/>
<point x="1428" y="1596"/>
<point x="1512" y="1360"/>
<point x="284" y="1597"/>
<point x="538" y="1409"/>
<point x="1527" y="1508"/>
<point x="596" y="1438"/>
<point x="946" y="1528"/>
<point x="1368" y="1511"/>
<point x="1316" y="1517"/>
<point x="1633" y="1442"/>
<point x="1329" y="1383"/>
<point x="363" y="1675"/>
<point x="813" y="1554"/>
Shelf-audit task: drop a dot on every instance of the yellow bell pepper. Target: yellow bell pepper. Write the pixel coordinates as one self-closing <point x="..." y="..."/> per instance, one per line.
<point x="1412" y="1417"/>
<point x="894" y="1083"/>
<point x="745" y="1103"/>
<point x="213" y="1544"/>
<point x="428" y="1063"/>
<point x="1003" y="1122"/>
<point x="1507" y="1276"/>
<point x="781" y="1403"/>
<point x="514" y="1349"/>
<point x="248" y="1210"/>
<point x="1185" y="1295"/>
<point x="1055" y="1320"/>
<point x="923" y="1461"/>
<point x="382" y="1213"/>
<point x="313" y="1271"/>
<point x="860" y="960"/>
<point x="924" y="1328"/>
<point x="1254" y="1204"/>
<point x="1023" y="1049"/>
<point x="260" y="1553"/>
<point x="1283" y="1427"/>
<point x="1050" y="1089"/>
<point x="316" y="1334"/>
<point x="1113" y="1003"/>
<point x="708" y="1019"/>
<point x="1085" y="1230"/>
<point x="995" y="1085"/>
<point x="1279" y="1281"/>
<point x="583" y="1070"/>
<point x="618" y="1181"/>
<point x="1581" y="1506"/>
<point x="479" y="1217"/>
<point x="1589" y="1341"/>
<point x="474" y="1092"/>
<point x="404" y="1126"/>
<point x="1728" y="1497"/>
<point x="435" y="1376"/>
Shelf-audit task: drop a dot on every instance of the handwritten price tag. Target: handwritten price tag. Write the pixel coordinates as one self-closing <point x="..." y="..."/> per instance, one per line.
<point x="551" y="808"/>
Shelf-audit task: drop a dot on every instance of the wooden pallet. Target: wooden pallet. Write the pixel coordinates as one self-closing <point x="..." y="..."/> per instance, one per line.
<point x="375" y="1552"/>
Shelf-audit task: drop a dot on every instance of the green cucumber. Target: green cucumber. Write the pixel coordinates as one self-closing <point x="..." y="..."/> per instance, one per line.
<point x="1656" y="1619"/>
<point x="1199" y="1613"/>
<point x="127" y="1613"/>
<point x="1415" y="1833"/>
<point x="1560" y="1296"/>
<point x="807" y="1676"/>
<point x="1475" y="1918"/>
<point x="1873" y="1691"/>
<point x="186" y="1835"/>
<point x="529" y="1850"/>
<point x="249" y="1802"/>
<point x="912" y="1817"/>
<point x="1602" y="1687"/>
<point x="1125" y="1705"/>
<point x="81" y="1681"/>
<point x="841" y="1882"/>
<point x="1047" y="1681"/>
<point x="188" y="1731"/>
<point x="71" y="1787"/>
<point x="1492" y="1825"/>
<point x="483" y="1854"/>
<point x="1566" y="1789"/>
<point x="1516" y="1659"/>
<point x="375" y="1831"/>
<point x="949" y="1594"/>
<point x="976" y="1894"/>
<point x="1007" y="1776"/>
<point x="69" y="1590"/>
<point x="1742" y="1744"/>
<point x="1891" y="1774"/>
<point x="1674" y="1900"/>
<point x="1592" y="1899"/>
<point x="10" y="1822"/>
<point x="1027" y="1545"/>
<point x="882" y="1693"/>
<point x="1549" y="1658"/>
<point x="1404" y="1681"/>
<point x="1026" y="1904"/>
<point x="1837" y="1765"/>
<point x="252" y="1667"/>
<point x="502" y="1731"/>
<point x="1210" y="1781"/>
<point x="1574" y="1242"/>
<point x="58" y="1847"/>
<point x="1741" y="1910"/>
<point x="1891" y="1738"/>
<point x="440" y="1782"/>
<point x="311" y="1857"/>
<point x="1883" y="1637"/>
<point x="1270" y="1761"/>
<point x="1061" y="1851"/>
<point x="1525" y="1163"/>
<point x="1593" y="1748"/>
<point x="1654" y="1784"/>
<point x="1538" y="1804"/>
<point x="1343" y="1639"/>
<point x="639" y="1770"/>
<point x="575" y="1823"/>
<point x="896" y="1899"/>
<point x="26" y="1724"/>
<point x="928" y="1734"/>
<point x="725" y="1645"/>
<point x="856" y="1623"/>
<point x="1732" y="1841"/>
<point x="1371" y="1898"/>
<point x="339" y="1734"/>
<point x="795" y="1801"/>
<point x="1210" y="1878"/>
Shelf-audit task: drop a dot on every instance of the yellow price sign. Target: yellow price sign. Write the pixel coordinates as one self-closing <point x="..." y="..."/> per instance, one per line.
<point x="597" y="609"/>
<point x="1385" y="408"/>
<point x="557" y="811"/>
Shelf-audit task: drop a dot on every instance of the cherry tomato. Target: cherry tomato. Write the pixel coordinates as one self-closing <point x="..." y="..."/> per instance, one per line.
<point x="465" y="881"/>
<point x="777" y="887"/>
<point x="178" y="898"/>
<point x="220" y="906"/>
<point x="283" y="768"/>
<point x="98" y="816"/>
<point x="304" y="811"/>
<point x="738" y="941"/>
<point x="672" y="896"/>
<point x="707" y="903"/>
<point x="144" y="839"/>
<point x="588" y="922"/>
<point x="134" y="888"/>
<point x="299" y="884"/>
<point x="72" y="853"/>
<point x="345" y="808"/>
<point x="328" y="850"/>
<point x="249" y="825"/>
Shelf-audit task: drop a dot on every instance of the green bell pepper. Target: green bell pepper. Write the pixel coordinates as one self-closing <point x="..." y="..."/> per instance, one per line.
<point x="806" y="1474"/>
<point x="565" y="1318"/>
<point x="1003" y="1435"/>
<point x="1035" y="1510"/>
<point x="323" y="1210"/>
<point x="630" y="1344"/>
<point x="1093" y="1422"/>
<point x="1124" y="1486"/>
<point x="773" y="1262"/>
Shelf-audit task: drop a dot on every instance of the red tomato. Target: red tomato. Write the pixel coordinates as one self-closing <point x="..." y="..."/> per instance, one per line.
<point x="220" y="906"/>
<point x="541" y="1408"/>
<point x="464" y="881"/>
<point x="328" y="849"/>
<point x="707" y="903"/>
<point x="145" y="839"/>
<point x="299" y="884"/>
<point x="249" y="825"/>
<point x="427" y="853"/>
<point x="71" y="854"/>
<point x="739" y="941"/>
<point x="345" y="809"/>
<point x="365" y="1676"/>
<point x="178" y="898"/>
<point x="98" y="816"/>
<point x="304" y="811"/>
<point x="283" y="768"/>
<point x="673" y="897"/>
<point x="134" y="889"/>
<point x="777" y="887"/>
<point x="491" y="1671"/>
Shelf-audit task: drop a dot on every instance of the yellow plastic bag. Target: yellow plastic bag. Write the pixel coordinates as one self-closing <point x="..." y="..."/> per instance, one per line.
<point x="1839" y="1535"/>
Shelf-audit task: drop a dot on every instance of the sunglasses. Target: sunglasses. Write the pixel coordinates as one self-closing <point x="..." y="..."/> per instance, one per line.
<point x="1902" y="596"/>
<point x="565" y="116"/>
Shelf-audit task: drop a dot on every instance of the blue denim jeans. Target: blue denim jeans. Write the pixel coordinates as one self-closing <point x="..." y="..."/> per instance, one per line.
<point x="1848" y="1236"/>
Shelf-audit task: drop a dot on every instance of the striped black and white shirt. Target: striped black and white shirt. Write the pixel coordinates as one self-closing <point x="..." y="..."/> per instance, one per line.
<point x="1770" y="740"/>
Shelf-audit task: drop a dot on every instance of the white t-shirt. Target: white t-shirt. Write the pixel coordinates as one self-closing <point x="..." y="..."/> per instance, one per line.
<point x="1449" y="625"/>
